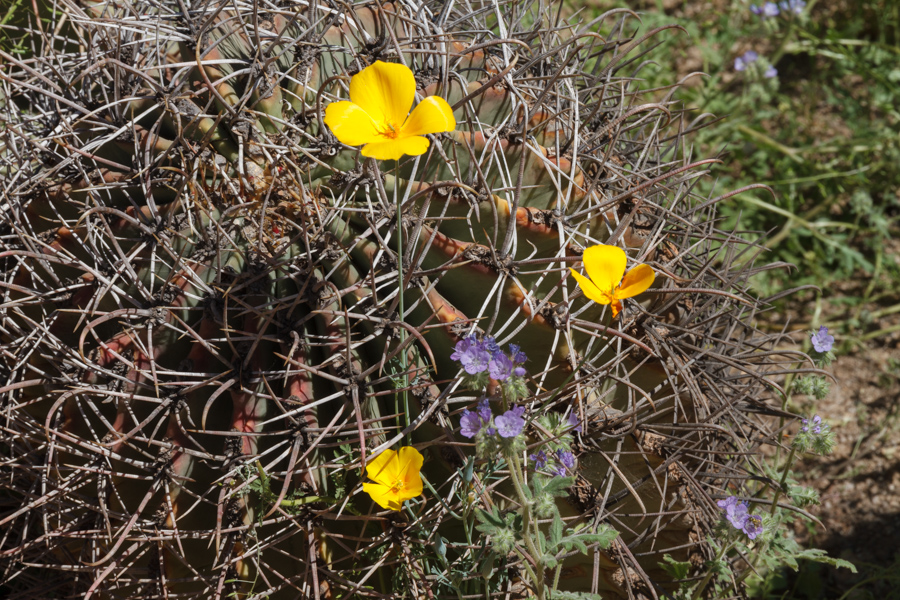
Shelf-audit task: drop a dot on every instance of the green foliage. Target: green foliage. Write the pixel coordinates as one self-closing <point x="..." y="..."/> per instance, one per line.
<point x="827" y="145"/>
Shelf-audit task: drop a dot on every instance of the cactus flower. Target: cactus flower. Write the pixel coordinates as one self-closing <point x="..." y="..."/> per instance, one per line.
<point x="378" y="118"/>
<point x="396" y="477"/>
<point x="609" y="283"/>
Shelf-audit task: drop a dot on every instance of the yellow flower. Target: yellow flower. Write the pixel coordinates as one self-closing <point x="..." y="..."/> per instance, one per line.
<point x="605" y="265"/>
<point x="396" y="476"/>
<point x="380" y="98"/>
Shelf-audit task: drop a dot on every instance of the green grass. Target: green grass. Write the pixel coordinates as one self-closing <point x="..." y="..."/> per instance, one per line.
<point x="824" y="134"/>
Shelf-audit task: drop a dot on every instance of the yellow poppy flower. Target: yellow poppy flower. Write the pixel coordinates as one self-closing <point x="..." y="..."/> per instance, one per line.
<point x="605" y="265"/>
<point x="376" y="115"/>
<point x="396" y="476"/>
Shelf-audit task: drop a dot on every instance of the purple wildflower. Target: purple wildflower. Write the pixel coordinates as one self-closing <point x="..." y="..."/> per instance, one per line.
<point x="742" y="62"/>
<point x="816" y="425"/>
<point x="567" y="459"/>
<point x="472" y="422"/>
<point x="510" y="424"/>
<point x="752" y="526"/>
<point x="770" y="72"/>
<point x="472" y="355"/>
<point x="501" y="366"/>
<point x="539" y="458"/>
<point x="794" y="6"/>
<point x="770" y="9"/>
<point x="821" y="341"/>
<point x="573" y="422"/>
<point x="735" y="510"/>
<point x="756" y="10"/>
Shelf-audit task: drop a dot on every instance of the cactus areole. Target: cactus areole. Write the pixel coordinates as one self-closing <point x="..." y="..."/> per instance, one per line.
<point x="241" y="243"/>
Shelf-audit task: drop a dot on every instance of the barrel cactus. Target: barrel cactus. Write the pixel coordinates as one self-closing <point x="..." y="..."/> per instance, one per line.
<point x="216" y="315"/>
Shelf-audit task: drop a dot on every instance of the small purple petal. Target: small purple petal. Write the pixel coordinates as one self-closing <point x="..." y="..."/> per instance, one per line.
<point x="539" y="458"/>
<point x="500" y="367"/>
<point x="519" y="371"/>
<point x="756" y="10"/>
<point x="738" y="515"/>
<point x="822" y="341"/>
<point x="770" y="72"/>
<point x="510" y="424"/>
<point x="739" y="64"/>
<point x="770" y="9"/>
<point x="752" y="526"/>
<point x="567" y="459"/>
<point x="750" y="56"/>
<point x="470" y="424"/>
<point x="573" y="422"/>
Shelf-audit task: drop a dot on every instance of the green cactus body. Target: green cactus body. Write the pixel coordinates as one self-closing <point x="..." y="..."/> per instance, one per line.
<point x="201" y="308"/>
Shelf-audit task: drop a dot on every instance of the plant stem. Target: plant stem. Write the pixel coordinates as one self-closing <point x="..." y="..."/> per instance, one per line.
<point x="401" y="306"/>
<point x="525" y="501"/>
<point x="702" y="585"/>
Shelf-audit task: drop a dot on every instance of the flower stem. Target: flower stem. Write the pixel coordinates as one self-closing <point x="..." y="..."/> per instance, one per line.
<point x="401" y="306"/>
<point x="517" y="478"/>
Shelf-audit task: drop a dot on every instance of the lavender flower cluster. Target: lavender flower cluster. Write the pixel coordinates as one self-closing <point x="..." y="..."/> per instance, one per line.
<point x="738" y="514"/>
<point x="771" y="9"/>
<point x="479" y="356"/>
<point x="557" y="463"/>
<point x="748" y="58"/>
<point x="508" y="425"/>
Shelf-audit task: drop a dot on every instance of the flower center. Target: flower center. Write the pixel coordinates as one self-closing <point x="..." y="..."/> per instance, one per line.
<point x="390" y="130"/>
<point x="397" y="486"/>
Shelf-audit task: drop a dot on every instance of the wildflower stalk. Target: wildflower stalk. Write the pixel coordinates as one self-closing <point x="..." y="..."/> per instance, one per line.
<point x="517" y="477"/>
<point x="787" y="467"/>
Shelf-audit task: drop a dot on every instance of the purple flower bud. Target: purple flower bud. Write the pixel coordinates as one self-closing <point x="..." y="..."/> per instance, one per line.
<point x="490" y="345"/>
<point x="756" y="10"/>
<point x="770" y="9"/>
<point x="770" y="72"/>
<point x="510" y="424"/>
<point x="739" y="64"/>
<point x="539" y="458"/>
<point x="821" y="341"/>
<point x="567" y="459"/>
<point x="515" y="352"/>
<point x="750" y="56"/>
<point x="519" y="372"/>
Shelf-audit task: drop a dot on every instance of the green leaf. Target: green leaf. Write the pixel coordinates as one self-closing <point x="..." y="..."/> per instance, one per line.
<point x="559" y="486"/>
<point x="556" y="531"/>
<point x="820" y="556"/>
<point x="678" y="570"/>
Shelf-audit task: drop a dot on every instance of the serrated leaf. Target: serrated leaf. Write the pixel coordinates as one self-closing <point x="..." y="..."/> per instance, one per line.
<point x="678" y="570"/>
<point x="492" y="518"/>
<point x="558" y="486"/>
<point x="559" y="595"/>
<point x="820" y="556"/>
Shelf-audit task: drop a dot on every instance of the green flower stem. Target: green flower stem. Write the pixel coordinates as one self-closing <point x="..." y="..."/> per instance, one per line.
<point x="787" y="467"/>
<point x="517" y="478"/>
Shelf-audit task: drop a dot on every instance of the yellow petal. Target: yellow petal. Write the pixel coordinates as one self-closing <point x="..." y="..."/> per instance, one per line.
<point x="605" y="265"/>
<point x="590" y="290"/>
<point x="384" y="468"/>
<point x="382" y="495"/>
<point x="394" y="149"/>
<point x="431" y="115"/>
<point x="636" y="281"/>
<point x="350" y="124"/>
<point x="384" y="90"/>
<point x="410" y="466"/>
<point x="616" y="308"/>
